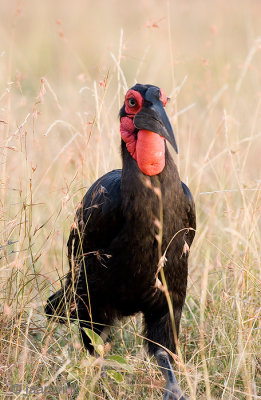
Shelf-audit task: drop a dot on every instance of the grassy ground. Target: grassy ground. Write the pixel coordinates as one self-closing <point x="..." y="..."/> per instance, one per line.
<point x="64" y="68"/>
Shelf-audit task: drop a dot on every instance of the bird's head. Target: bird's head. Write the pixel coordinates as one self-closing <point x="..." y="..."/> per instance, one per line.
<point x="145" y="127"/>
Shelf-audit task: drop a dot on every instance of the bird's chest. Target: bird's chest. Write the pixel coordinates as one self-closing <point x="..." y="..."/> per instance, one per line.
<point x="141" y="244"/>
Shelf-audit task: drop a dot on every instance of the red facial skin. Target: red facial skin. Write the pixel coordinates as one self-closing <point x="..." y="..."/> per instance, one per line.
<point x="163" y="98"/>
<point x="139" y="99"/>
<point x="148" y="148"/>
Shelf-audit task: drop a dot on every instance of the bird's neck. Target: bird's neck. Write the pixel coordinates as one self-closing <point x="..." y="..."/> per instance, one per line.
<point x="144" y="196"/>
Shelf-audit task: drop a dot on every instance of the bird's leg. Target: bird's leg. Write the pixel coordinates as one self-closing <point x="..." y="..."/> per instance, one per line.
<point x="172" y="389"/>
<point x="159" y="330"/>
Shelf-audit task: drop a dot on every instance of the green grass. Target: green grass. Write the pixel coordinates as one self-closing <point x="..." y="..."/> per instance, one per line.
<point x="60" y="132"/>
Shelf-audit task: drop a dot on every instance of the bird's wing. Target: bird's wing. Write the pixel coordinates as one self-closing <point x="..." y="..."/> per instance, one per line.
<point x="191" y="211"/>
<point x="98" y="218"/>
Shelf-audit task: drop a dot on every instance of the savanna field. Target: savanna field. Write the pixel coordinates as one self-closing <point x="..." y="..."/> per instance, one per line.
<point x="64" y="70"/>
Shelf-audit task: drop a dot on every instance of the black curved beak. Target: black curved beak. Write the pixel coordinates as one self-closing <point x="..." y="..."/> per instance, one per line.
<point x="153" y="117"/>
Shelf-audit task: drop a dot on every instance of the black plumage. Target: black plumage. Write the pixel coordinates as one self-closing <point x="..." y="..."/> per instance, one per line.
<point x="114" y="250"/>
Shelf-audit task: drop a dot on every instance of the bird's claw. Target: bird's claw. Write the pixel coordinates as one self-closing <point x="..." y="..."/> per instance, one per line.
<point x="172" y="392"/>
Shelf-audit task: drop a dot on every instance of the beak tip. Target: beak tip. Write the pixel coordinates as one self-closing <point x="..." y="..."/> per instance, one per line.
<point x="174" y="144"/>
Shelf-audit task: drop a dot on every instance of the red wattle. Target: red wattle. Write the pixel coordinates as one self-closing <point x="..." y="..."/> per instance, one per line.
<point x="127" y="129"/>
<point x="150" y="152"/>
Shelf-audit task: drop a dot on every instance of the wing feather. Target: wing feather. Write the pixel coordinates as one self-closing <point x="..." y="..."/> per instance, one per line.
<point x="191" y="212"/>
<point x="98" y="218"/>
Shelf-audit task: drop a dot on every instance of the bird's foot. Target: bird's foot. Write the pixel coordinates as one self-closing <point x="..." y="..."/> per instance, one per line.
<point x="172" y="389"/>
<point x="173" y="392"/>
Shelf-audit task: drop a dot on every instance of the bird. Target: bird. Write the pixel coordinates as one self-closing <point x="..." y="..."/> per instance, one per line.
<point x="129" y="243"/>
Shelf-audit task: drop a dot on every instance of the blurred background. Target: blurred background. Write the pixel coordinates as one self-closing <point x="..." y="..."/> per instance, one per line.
<point x="64" y="70"/>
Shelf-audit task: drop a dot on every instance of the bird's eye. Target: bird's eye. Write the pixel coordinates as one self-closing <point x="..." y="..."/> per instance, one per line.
<point x="132" y="102"/>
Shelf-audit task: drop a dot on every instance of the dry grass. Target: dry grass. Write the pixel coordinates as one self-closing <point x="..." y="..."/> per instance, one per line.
<point x="60" y="132"/>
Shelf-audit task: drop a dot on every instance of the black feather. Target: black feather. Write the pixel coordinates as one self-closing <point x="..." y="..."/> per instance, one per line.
<point x="113" y="251"/>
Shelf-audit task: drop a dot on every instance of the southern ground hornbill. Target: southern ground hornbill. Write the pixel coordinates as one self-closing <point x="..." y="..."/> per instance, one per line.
<point x="128" y="247"/>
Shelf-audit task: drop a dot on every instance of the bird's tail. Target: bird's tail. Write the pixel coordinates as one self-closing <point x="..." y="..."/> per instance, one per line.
<point x="55" y="307"/>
